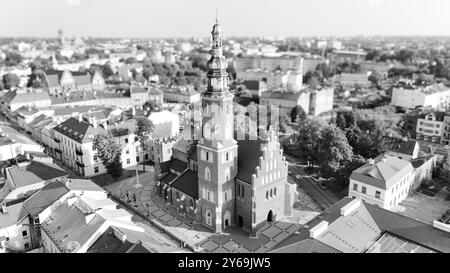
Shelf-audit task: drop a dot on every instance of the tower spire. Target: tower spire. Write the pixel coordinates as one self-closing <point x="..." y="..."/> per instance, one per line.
<point x="217" y="20"/>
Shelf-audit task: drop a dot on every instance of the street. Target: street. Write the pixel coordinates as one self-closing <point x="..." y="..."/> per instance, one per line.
<point x="323" y="197"/>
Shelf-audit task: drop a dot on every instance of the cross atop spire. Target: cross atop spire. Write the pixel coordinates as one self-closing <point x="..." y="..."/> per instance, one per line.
<point x="217" y="20"/>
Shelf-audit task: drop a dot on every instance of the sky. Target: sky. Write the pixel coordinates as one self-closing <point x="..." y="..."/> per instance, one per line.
<point x="194" y="18"/>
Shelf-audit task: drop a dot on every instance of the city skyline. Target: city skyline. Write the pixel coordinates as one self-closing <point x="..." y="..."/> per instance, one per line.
<point x="174" y="18"/>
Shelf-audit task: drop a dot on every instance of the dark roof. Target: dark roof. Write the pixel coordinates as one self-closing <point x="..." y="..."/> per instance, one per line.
<point x="138" y="248"/>
<point x="76" y="130"/>
<point x="169" y="177"/>
<point x="410" y="229"/>
<point x="399" y="145"/>
<point x="43" y="199"/>
<point x="187" y="183"/>
<point x="401" y="226"/>
<point x="178" y="165"/>
<point x="281" y="95"/>
<point x="82" y="79"/>
<point x="34" y="172"/>
<point x="251" y="85"/>
<point x="420" y="161"/>
<point x="249" y="152"/>
<point x="109" y="243"/>
<point x="164" y="166"/>
<point x="307" y="246"/>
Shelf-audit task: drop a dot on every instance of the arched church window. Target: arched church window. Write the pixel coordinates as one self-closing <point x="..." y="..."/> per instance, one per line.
<point x="207" y="174"/>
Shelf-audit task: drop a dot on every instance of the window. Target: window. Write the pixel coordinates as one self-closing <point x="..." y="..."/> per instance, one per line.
<point x="242" y="191"/>
<point x="136" y="139"/>
<point x="238" y="190"/>
<point x="26" y="245"/>
<point x="128" y="161"/>
<point x="146" y="157"/>
<point x="227" y="157"/>
<point x="24" y="233"/>
<point x="355" y="187"/>
<point x="96" y="170"/>
<point x="275" y="191"/>
<point x="227" y="174"/>
<point x="207" y="174"/>
<point x="128" y="151"/>
<point x="267" y="195"/>
<point x="225" y="197"/>
<point x="377" y="194"/>
<point x="126" y="140"/>
<point x="364" y="190"/>
<point x="271" y="193"/>
<point x="208" y="218"/>
<point x="137" y="159"/>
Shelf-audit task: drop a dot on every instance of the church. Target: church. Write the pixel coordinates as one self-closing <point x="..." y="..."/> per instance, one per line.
<point x="219" y="181"/>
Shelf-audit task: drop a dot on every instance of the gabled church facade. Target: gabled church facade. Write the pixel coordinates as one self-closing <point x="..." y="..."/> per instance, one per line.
<point x="217" y="180"/>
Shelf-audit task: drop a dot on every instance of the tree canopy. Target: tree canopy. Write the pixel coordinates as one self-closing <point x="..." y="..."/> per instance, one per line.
<point x="109" y="150"/>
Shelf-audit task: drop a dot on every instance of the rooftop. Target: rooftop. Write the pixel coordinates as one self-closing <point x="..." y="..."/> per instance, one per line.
<point x="32" y="172"/>
<point x="382" y="172"/>
<point x="80" y="131"/>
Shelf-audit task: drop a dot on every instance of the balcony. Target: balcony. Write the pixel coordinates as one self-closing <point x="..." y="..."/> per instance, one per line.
<point x="79" y="152"/>
<point x="79" y="164"/>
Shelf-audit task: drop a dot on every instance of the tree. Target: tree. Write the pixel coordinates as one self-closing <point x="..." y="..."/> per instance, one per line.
<point x="333" y="149"/>
<point x="144" y="127"/>
<point x="297" y="113"/>
<point x="11" y="80"/>
<point x="107" y="71"/>
<point x="305" y="141"/>
<point x="344" y="173"/>
<point x="109" y="150"/>
<point x="13" y="59"/>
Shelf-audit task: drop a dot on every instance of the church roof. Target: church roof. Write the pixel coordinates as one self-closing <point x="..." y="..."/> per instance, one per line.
<point x="249" y="152"/>
<point x="187" y="182"/>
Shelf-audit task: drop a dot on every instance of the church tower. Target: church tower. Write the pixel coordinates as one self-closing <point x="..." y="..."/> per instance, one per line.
<point x="217" y="149"/>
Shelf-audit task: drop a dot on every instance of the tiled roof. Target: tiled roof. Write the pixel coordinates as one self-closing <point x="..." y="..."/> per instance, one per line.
<point x="83" y="185"/>
<point x="384" y="173"/>
<point x="42" y="199"/>
<point x="178" y="165"/>
<point x="169" y="177"/>
<point x="187" y="183"/>
<point x="82" y="79"/>
<point x="53" y="80"/>
<point x="78" y="131"/>
<point x="35" y="172"/>
<point x="400" y="146"/>
<point x="67" y="227"/>
<point x="251" y="85"/>
<point x="306" y="246"/>
<point x="248" y="159"/>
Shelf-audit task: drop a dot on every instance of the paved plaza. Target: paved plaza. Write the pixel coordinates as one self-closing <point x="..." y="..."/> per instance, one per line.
<point x="198" y="237"/>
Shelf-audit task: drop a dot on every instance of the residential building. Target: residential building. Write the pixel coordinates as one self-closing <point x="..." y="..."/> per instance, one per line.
<point x="339" y="56"/>
<point x="321" y="101"/>
<point x="221" y="182"/>
<point x="14" y="237"/>
<point x="384" y="181"/>
<point x="431" y="127"/>
<point x="286" y="99"/>
<point x="436" y="96"/>
<point x="185" y="94"/>
<point x="254" y="88"/>
<point x="16" y="99"/>
<point x="310" y="64"/>
<point x="356" y="226"/>
<point x="402" y="148"/>
<point x="446" y="133"/>
<point x="353" y="80"/>
<point x="283" y="63"/>
<point x="25" y="178"/>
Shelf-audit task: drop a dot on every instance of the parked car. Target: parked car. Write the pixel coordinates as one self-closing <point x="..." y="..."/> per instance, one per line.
<point x="322" y="186"/>
<point x="297" y="176"/>
<point x="289" y="173"/>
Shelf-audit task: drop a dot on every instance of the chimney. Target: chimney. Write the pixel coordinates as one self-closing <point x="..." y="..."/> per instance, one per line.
<point x="133" y="111"/>
<point x="120" y="235"/>
<point x="27" y="156"/>
<point x="350" y="207"/>
<point x="371" y="161"/>
<point x="318" y="229"/>
<point x="80" y="117"/>
<point x="94" y="122"/>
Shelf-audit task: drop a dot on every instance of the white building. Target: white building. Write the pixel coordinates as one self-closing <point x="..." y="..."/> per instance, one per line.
<point x="431" y="127"/>
<point x="384" y="181"/>
<point x="13" y="143"/>
<point x="435" y="96"/>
